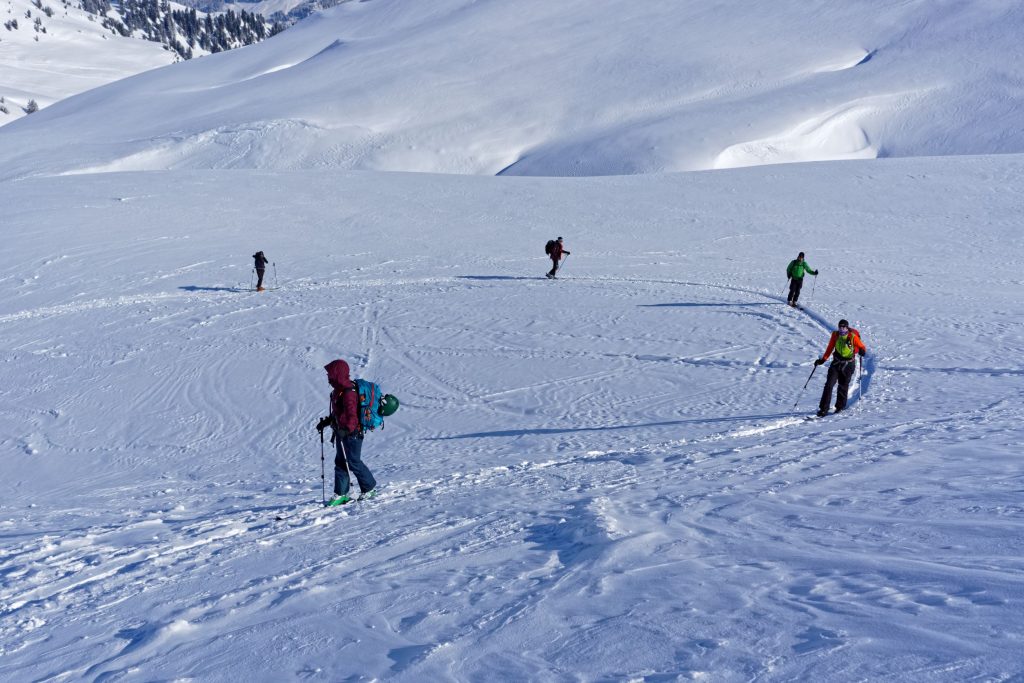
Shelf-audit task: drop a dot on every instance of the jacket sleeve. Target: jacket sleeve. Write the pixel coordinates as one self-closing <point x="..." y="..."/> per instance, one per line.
<point x="831" y="345"/>
<point x="345" y="411"/>
<point x="348" y="415"/>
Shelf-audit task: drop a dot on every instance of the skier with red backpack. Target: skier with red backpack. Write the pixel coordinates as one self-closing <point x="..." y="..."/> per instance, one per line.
<point x="356" y="406"/>
<point x="554" y="250"/>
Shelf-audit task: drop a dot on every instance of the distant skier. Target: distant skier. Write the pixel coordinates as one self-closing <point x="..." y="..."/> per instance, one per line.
<point x="554" y="250"/>
<point x="261" y="268"/>
<point x="347" y="435"/>
<point x="846" y="342"/>
<point x="795" y="271"/>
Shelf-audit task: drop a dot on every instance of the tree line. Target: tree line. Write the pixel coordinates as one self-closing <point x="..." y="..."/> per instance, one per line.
<point x="183" y="30"/>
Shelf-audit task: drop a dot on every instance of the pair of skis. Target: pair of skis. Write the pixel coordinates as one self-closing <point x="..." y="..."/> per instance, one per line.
<point x="302" y="508"/>
<point x="860" y="372"/>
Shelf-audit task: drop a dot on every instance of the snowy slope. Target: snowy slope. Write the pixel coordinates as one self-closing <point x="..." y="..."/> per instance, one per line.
<point x="598" y="478"/>
<point x="577" y="87"/>
<point x="74" y="54"/>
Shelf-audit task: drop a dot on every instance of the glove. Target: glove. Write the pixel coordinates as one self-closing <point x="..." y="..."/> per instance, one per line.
<point x="860" y="353"/>
<point x="567" y="253"/>
<point x="324" y="422"/>
<point x="819" y="361"/>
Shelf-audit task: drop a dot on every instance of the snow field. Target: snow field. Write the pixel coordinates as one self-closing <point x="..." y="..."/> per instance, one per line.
<point x="594" y="478"/>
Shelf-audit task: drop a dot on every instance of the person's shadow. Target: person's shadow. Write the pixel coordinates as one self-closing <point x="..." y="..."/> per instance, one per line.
<point x="495" y="277"/>
<point x="608" y="428"/>
<point x="196" y="288"/>
<point x="709" y="305"/>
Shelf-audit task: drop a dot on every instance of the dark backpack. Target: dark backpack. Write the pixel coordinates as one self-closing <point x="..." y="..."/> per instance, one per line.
<point x="549" y="248"/>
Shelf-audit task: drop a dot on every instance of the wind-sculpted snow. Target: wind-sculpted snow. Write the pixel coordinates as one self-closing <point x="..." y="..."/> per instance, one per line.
<point x="569" y="88"/>
<point x="595" y="478"/>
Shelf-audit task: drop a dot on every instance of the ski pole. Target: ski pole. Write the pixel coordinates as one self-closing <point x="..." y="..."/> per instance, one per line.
<point x="805" y="385"/>
<point x="323" y="475"/>
<point x="252" y="273"/>
<point x="564" y="261"/>
<point x="275" y="276"/>
<point x="344" y="454"/>
<point x="813" y="287"/>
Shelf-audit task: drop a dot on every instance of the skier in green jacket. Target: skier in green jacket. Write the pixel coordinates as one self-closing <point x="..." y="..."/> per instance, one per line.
<point x="795" y="271"/>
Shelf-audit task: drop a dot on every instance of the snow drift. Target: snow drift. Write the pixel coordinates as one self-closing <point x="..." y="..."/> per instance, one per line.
<point x="578" y="87"/>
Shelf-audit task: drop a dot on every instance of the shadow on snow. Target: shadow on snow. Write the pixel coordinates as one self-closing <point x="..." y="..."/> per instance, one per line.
<point x="196" y="288"/>
<point x="570" y="430"/>
<point x="714" y="305"/>
<point x="498" y="277"/>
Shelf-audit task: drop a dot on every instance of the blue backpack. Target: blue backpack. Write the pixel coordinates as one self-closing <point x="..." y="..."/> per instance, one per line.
<point x="369" y="405"/>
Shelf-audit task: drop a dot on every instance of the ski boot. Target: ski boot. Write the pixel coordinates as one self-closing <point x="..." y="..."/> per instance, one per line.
<point x="339" y="500"/>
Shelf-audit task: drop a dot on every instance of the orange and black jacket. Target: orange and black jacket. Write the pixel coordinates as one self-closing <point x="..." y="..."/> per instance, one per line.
<point x="853" y="345"/>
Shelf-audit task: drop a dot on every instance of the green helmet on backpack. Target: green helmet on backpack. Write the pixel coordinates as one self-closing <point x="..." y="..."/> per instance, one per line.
<point x="388" y="405"/>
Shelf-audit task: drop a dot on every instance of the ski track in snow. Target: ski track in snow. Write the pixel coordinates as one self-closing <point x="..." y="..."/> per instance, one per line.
<point x="85" y="574"/>
<point x="599" y="478"/>
<point x="84" y="570"/>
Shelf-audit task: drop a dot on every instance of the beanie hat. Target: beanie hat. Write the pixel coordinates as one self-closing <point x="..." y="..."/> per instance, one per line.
<point x="843" y="323"/>
<point x="800" y="255"/>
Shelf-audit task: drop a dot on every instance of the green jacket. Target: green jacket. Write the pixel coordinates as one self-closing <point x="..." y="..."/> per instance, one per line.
<point x="797" y="269"/>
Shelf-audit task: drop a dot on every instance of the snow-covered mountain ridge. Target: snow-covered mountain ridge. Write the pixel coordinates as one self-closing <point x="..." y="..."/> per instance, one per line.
<point x="66" y="53"/>
<point x="52" y="50"/>
<point x="579" y="87"/>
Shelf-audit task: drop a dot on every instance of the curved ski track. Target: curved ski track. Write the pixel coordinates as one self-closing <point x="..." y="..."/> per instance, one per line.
<point x="588" y="511"/>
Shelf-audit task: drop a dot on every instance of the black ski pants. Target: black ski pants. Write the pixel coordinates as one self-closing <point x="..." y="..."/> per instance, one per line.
<point x="554" y="267"/>
<point x="259" y="275"/>
<point x="841" y="372"/>
<point x="795" y="283"/>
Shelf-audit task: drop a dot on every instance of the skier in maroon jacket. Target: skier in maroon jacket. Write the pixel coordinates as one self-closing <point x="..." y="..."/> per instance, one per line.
<point x="556" y="255"/>
<point x="347" y="435"/>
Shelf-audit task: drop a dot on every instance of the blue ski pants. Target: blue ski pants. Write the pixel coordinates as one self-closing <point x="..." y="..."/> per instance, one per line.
<point x="348" y="457"/>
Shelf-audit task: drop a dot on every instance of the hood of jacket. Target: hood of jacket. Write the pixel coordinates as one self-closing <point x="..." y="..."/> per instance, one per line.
<point x="337" y="374"/>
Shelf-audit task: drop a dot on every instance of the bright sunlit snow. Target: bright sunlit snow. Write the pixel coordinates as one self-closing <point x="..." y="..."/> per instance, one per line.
<point x="597" y="478"/>
<point x="568" y="88"/>
<point x="74" y="54"/>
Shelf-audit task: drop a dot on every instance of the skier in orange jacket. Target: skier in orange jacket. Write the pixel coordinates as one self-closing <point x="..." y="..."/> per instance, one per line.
<point x="846" y="343"/>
